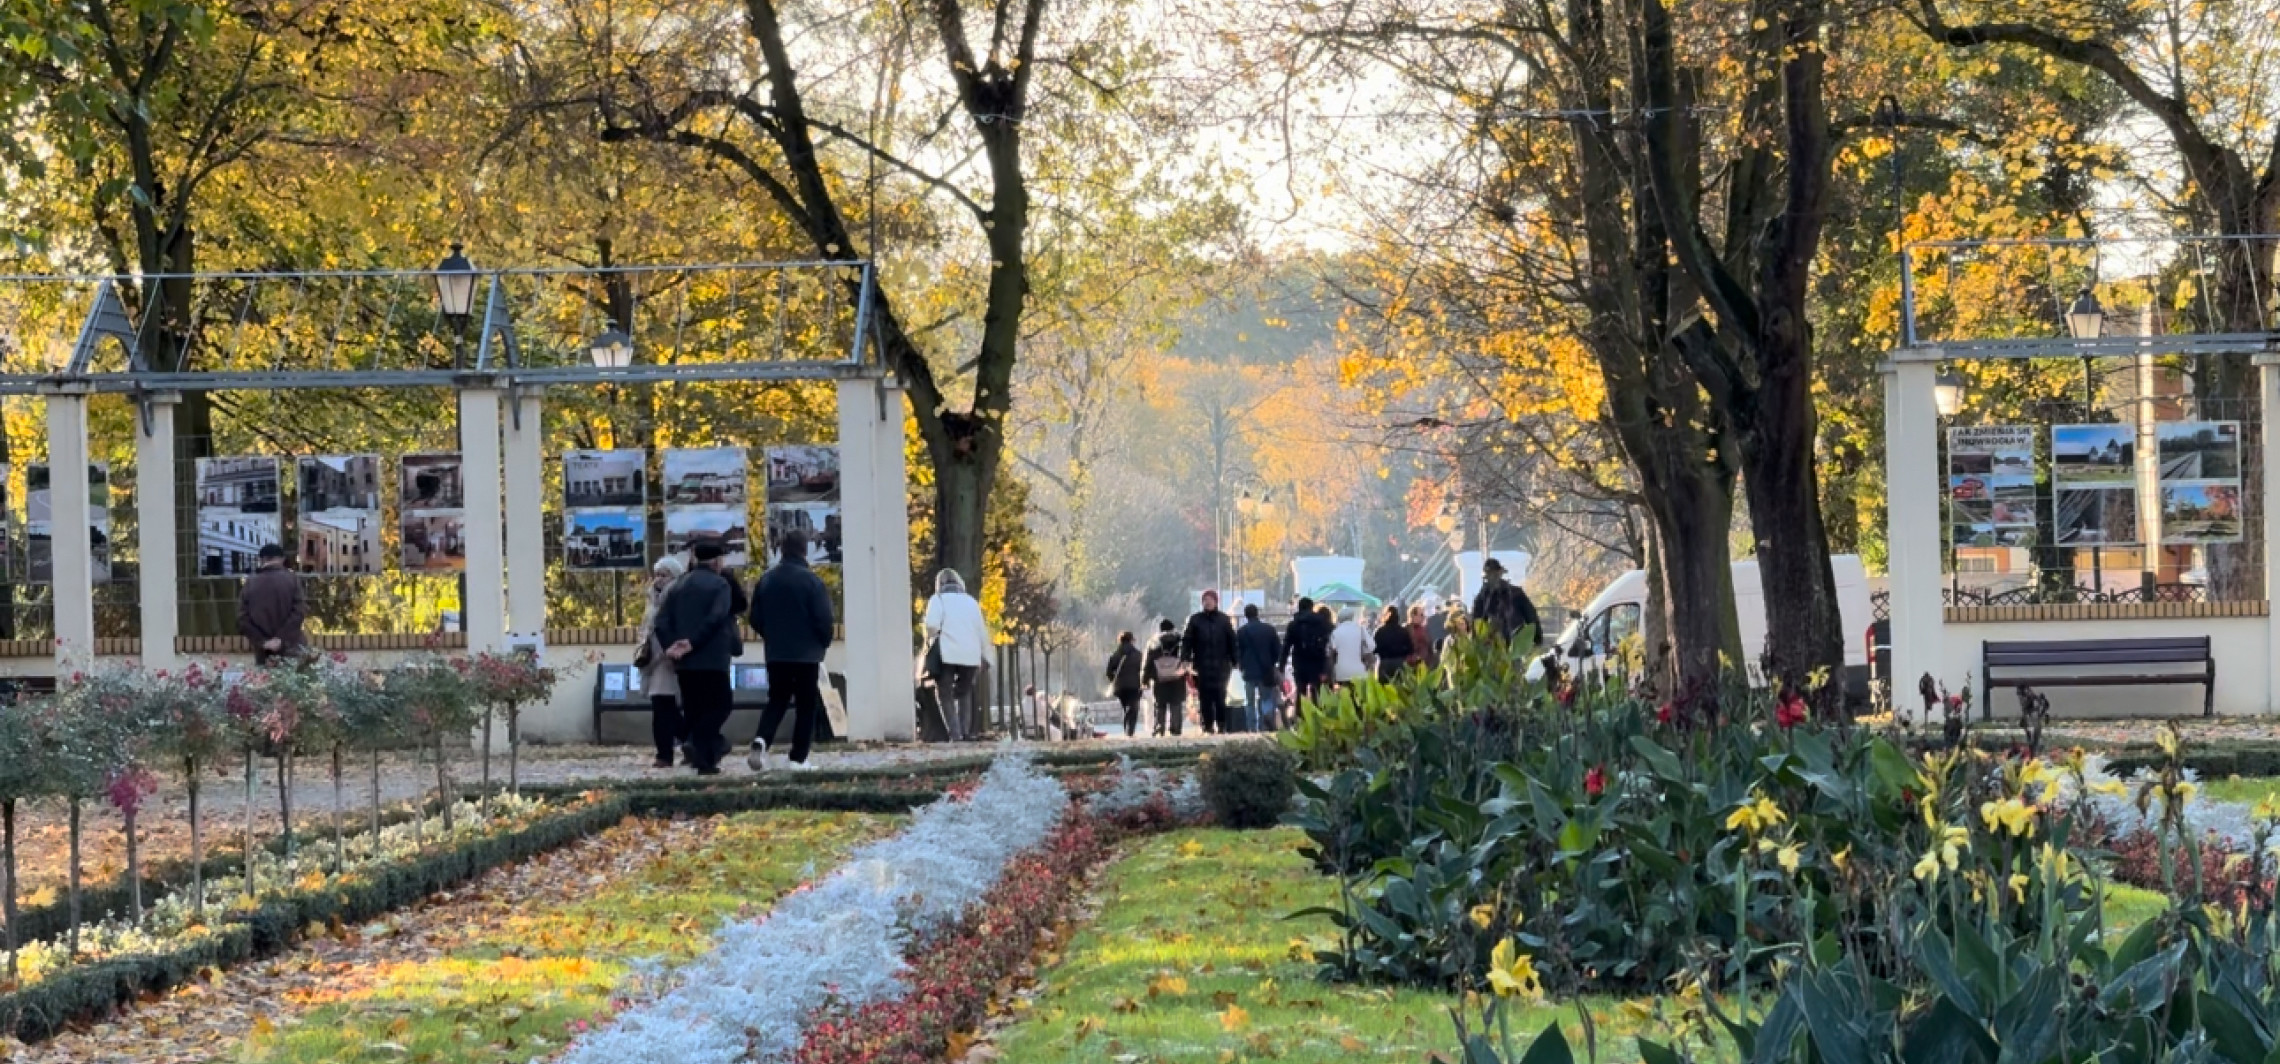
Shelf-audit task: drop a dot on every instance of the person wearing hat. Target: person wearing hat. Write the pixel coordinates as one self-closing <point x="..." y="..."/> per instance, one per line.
<point x="271" y="608"/>
<point x="696" y="625"/>
<point x="1503" y="606"/>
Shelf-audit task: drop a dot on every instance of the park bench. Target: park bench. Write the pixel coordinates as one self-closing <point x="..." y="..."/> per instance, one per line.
<point x="2164" y="660"/>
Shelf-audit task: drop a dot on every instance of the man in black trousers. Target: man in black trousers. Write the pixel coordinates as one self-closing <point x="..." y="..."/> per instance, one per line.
<point x="791" y="612"/>
<point x="697" y="626"/>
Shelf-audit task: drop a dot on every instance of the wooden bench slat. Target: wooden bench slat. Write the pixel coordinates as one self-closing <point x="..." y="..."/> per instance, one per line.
<point x="2092" y="657"/>
<point x="2160" y="643"/>
<point x="2100" y="681"/>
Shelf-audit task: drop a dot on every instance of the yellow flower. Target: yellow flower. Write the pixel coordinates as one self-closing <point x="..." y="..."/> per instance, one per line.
<point x="1512" y="973"/>
<point x="2010" y="815"/>
<point x="2184" y="791"/>
<point x="1842" y="859"/>
<point x="1787" y="858"/>
<point x="2110" y="788"/>
<point x="1928" y="867"/>
<point x="2019" y="886"/>
<point x="1755" y="816"/>
<point x="2267" y="810"/>
<point x="2165" y="737"/>
<point x="1482" y="915"/>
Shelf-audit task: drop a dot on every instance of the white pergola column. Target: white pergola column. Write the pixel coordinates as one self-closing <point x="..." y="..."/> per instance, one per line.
<point x="1912" y="529"/>
<point x="71" y="541"/>
<point x="526" y="520"/>
<point x="2268" y="380"/>
<point x="875" y="525"/>
<point x="155" y="527"/>
<point x="484" y="614"/>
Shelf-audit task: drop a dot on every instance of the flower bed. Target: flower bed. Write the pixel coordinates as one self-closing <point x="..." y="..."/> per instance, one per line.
<point x="90" y="991"/>
<point x="841" y="942"/>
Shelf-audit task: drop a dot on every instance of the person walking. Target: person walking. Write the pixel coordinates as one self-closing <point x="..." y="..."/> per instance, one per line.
<point x="1348" y="646"/>
<point x="666" y="726"/>
<point x="961" y="636"/>
<point x="1208" y="648"/>
<point x="1437" y="625"/>
<point x="1125" y="667"/>
<point x="1423" y="652"/>
<point x="791" y="613"/>
<point x="1306" y="639"/>
<point x="1459" y="628"/>
<point x="1169" y="675"/>
<point x="1502" y="606"/>
<point x="271" y="608"/>
<point x="1259" y="653"/>
<point x="1391" y="641"/>
<point x="696" y="624"/>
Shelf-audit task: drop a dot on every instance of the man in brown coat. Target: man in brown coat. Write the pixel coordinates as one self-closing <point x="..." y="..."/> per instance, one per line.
<point x="270" y="609"/>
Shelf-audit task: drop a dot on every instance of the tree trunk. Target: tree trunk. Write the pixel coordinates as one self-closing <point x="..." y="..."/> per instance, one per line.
<point x="375" y="801"/>
<point x="285" y="795"/>
<point x="74" y="938"/>
<point x="1804" y="626"/>
<point x="443" y="783"/>
<point x="197" y="847"/>
<point x="134" y="870"/>
<point x="486" y="791"/>
<point x="514" y="750"/>
<point x="8" y="879"/>
<point x="340" y="808"/>
<point x="251" y="783"/>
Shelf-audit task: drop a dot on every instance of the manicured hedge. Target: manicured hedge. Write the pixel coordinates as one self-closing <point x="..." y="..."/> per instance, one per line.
<point x="93" y="991"/>
<point x="715" y="801"/>
<point x="2214" y="761"/>
<point x="1081" y="758"/>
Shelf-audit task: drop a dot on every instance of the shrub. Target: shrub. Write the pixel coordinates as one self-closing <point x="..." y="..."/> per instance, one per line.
<point x="1250" y="784"/>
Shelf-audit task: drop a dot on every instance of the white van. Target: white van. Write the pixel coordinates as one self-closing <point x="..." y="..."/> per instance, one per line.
<point x="1615" y="613"/>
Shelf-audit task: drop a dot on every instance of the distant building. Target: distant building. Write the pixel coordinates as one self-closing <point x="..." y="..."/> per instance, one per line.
<point x="340" y="542"/>
<point x="230" y="545"/>
<point x="248" y="485"/>
<point x="352" y="485"/>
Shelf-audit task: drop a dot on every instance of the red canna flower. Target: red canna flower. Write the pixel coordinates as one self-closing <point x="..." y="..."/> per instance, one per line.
<point x="1595" y="781"/>
<point x="1790" y="711"/>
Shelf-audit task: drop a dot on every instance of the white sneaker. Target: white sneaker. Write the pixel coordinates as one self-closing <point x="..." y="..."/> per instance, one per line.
<point x="757" y="760"/>
<point x="800" y="766"/>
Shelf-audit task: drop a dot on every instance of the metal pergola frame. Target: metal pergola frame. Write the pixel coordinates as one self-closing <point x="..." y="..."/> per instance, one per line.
<point x="1911" y="350"/>
<point x="497" y="362"/>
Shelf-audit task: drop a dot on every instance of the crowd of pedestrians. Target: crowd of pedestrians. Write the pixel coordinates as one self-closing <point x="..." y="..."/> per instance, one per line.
<point x="1317" y="650"/>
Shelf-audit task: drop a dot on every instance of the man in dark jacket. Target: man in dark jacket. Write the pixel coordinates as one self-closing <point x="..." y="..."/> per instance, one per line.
<point x="271" y="609"/>
<point x="697" y="626"/>
<point x="1307" y="639"/>
<point x="1169" y="675"/>
<point x="1208" y="647"/>
<point x="791" y="612"/>
<point x="1258" y="651"/>
<point x="1503" y="605"/>
<point x="1125" y="667"/>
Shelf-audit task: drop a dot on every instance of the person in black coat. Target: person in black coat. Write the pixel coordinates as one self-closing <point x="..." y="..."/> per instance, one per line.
<point x="1307" y="640"/>
<point x="791" y="612"/>
<point x="1208" y="647"/>
<point x="697" y="626"/>
<point x="1393" y="645"/>
<point x="1125" y="666"/>
<point x="1169" y="676"/>
<point x="1258" y="652"/>
<point x="1504" y="606"/>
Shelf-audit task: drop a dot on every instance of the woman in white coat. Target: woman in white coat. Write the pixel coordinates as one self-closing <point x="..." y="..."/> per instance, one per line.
<point x="961" y="638"/>
<point x="1347" y="644"/>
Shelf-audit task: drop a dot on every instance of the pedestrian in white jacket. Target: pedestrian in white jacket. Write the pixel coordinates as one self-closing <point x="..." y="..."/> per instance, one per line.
<point x="961" y="636"/>
<point x="1347" y="644"/>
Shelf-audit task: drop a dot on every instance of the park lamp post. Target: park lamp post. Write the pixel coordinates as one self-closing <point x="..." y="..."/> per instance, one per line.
<point x="455" y="296"/>
<point x="1947" y="392"/>
<point x="613" y="349"/>
<point x="2085" y="320"/>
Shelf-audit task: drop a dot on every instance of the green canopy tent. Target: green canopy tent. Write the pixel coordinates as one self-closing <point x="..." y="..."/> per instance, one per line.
<point x="1345" y="595"/>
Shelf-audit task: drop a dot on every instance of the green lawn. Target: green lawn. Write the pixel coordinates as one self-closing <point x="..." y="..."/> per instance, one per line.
<point x="509" y="990"/>
<point x="2247" y="790"/>
<point x="1190" y="959"/>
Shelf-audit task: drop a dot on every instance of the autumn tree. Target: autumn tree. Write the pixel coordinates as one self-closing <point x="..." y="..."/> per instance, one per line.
<point x="952" y="103"/>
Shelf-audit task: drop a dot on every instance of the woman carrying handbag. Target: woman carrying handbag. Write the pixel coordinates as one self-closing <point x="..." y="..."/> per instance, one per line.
<point x="668" y="726"/>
